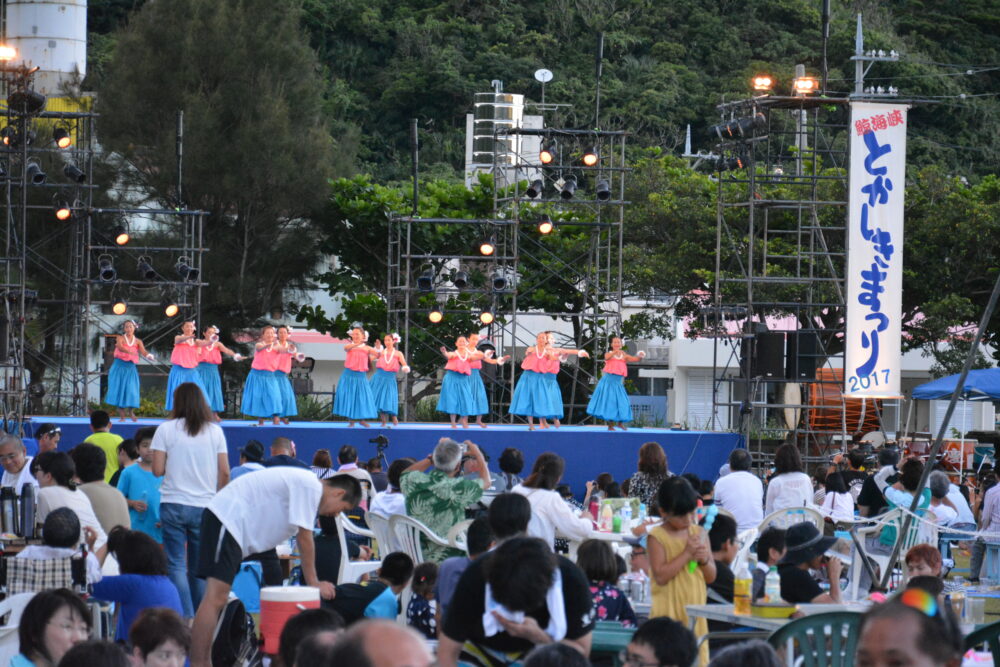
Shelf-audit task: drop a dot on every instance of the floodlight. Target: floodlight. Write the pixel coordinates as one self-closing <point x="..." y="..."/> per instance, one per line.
<point x="804" y="85"/>
<point x="486" y="317"/>
<point x="186" y="272"/>
<point x="74" y="173"/>
<point x="26" y="101"/>
<point x="145" y="269"/>
<point x="436" y="315"/>
<point x="169" y="306"/>
<point x="548" y="153"/>
<point x="487" y="246"/>
<point x="35" y="174"/>
<point x="106" y="269"/>
<point x="62" y="137"/>
<point x="119" y="306"/>
<point x="499" y="281"/>
<point x="603" y="190"/>
<point x="425" y="281"/>
<point x="590" y="158"/>
<point x="461" y="280"/>
<point x="121" y="235"/>
<point x="63" y="209"/>
<point x="762" y="82"/>
<point x="545" y="225"/>
<point x="535" y="189"/>
<point x="569" y="187"/>
<point x="7" y="53"/>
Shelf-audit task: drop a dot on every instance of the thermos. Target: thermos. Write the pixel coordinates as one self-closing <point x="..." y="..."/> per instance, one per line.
<point x="27" y="513"/>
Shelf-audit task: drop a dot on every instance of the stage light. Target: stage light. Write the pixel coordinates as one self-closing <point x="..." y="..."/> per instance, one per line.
<point x="545" y="226"/>
<point x="62" y="137"/>
<point x="568" y="188"/>
<point x="436" y="315"/>
<point x="535" y="189"/>
<point x="119" y="306"/>
<point x="8" y="135"/>
<point x="425" y="281"/>
<point x="804" y="85"/>
<point x="486" y="317"/>
<point x="186" y="272"/>
<point x="169" y="306"/>
<point x="145" y="269"/>
<point x="74" y="173"/>
<point x="7" y="53"/>
<point x="487" y="246"/>
<point x="548" y="152"/>
<point x="35" y="174"/>
<point x="26" y="101"/>
<point x="590" y="158"/>
<point x="499" y="281"/>
<point x="603" y="189"/>
<point x="762" y="82"/>
<point x="121" y="235"/>
<point x="63" y="209"/>
<point x="461" y="280"/>
<point x="106" y="269"/>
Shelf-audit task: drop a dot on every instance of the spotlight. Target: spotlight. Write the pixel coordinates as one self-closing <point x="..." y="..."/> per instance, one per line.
<point x="186" y="272"/>
<point x="7" y="53"/>
<point x="425" y="281"/>
<point x="535" y="189"/>
<point x="569" y="187"/>
<point x="486" y="317"/>
<point x="35" y="174"/>
<point x="145" y="269"/>
<point x="121" y="235"/>
<point x="499" y="281"/>
<point x="63" y="209"/>
<point x="487" y="246"/>
<point x="461" y="280"/>
<point x="762" y="82"/>
<point x="106" y="269"/>
<point x="26" y="101"/>
<point x="119" y="306"/>
<point x="8" y="135"/>
<point x="548" y="152"/>
<point x="804" y="85"/>
<point x="590" y="157"/>
<point x="62" y="137"/>
<point x="545" y="226"/>
<point x="74" y="173"/>
<point x="436" y="315"/>
<point x="603" y="189"/>
<point x="169" y="305"/>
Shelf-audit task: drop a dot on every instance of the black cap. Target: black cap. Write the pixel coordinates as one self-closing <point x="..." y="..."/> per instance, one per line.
<point x="253" y="452"/>
<point x="804" y="542"/>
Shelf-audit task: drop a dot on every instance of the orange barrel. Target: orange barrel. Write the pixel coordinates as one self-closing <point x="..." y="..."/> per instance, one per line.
<point x="277" y="605"/>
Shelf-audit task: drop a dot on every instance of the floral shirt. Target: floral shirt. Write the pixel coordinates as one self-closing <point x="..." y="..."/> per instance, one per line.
<point x="644" y="486"/>
<point x="439" y="501"/>
<point x="611" y="604"/>
<point x="420" y="615"/>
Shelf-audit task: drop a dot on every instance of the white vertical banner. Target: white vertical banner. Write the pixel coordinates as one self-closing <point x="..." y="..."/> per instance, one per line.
<point x="875" y="250"/>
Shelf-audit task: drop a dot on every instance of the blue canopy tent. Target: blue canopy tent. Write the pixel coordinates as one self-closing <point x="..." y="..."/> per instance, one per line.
<point x="980" y="385"/>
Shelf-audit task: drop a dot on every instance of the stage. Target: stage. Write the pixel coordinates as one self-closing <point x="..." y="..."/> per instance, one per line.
<point x="588" y="450"/>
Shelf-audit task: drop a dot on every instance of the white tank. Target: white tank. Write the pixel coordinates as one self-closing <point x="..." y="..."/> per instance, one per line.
<point x="52" y="35"/>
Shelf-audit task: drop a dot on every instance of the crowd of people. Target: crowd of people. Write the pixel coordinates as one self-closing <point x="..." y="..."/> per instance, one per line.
<point x="176" y="525"/>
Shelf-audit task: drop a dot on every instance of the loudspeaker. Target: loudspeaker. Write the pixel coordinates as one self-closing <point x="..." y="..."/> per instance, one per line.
<point x="766" y="351"/>
<point x="802" y="355"/>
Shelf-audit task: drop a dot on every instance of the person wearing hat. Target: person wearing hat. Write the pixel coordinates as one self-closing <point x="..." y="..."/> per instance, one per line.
<point x="806" y="547"/>
<point x="251" y="458"/>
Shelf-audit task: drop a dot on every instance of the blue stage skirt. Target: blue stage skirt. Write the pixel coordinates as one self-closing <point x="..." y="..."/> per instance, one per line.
<point x="385" y="391"/>
<point x="288" y="406"/>
<point x="209" y="374"/>
<point x="609" y="400"/>
<point x="482" y="404"/>
<point x="532" y="397"/>
<point x="456" y="395"/>
<point x="555" y="395"/>
<point x="354" y="398"/>
<point x="178" y="376"/>
<point x="261" y="395"/>
<point x="123" y="385"/>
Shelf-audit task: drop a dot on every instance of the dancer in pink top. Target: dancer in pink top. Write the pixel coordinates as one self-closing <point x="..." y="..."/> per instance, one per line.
<point x="261" y="395"/>
<point x="610" y="400"/>
<point x="184" y="362"/>
<point x="388" y="362"/>
<point x="123" y="378"/>
<point x="354" y="398"/>
<point x="478" y="386"/>
<point x="208" y="367"/>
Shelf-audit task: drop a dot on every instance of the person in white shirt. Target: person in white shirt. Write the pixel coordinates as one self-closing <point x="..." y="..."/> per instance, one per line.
<point x="233" y="527"/>
<point x="56" y="474"/>
<point x="550" y="515"/>
<point x="189" y="452"/>
<point x="392" y="501"/>
<point x="961" y="505"/>
<point x="16" y="464"/>
<point x="61" y="539"/>
<point x="741" y="492"/>
<point x="790" y="487"/>
<point x="838" y="503"/>
<point x="939" y="484"/>
<point x="347" y="457"/>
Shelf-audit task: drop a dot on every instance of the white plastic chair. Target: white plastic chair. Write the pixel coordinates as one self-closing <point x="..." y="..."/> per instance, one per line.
<point x="459" y="534"/>
<point x="791" y="516"/>
<point x="13" y="605"/>
<point x="351" y="571"/>
<point x="408" y="531"/>
<point x="745" y="540"/>
<point x="920" y="532"/>
<point x="383" y="534"/>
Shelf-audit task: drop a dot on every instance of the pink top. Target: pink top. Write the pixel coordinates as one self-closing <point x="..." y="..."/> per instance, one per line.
<point x="392" y="365"/>
<point x="132" y="354"/>
<point x="184" y="355"/>
<point x="283" y="362"/>
<point x="458" y="365"/>
<point x="615" y="366"/>
<point x="549" y="365"/>
<point x="533" y="362"/>
<point x="211" y="355"/>
<point x="476" y="364"/>
<point x="357" y="360"/>
<point x="263" y="360"/>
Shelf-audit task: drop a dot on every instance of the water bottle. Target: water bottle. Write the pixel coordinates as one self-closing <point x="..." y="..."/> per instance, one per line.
<point x="595" y="509"/>
<point x="616" y="523"/>
<point x="607" y="517"/>
<point x="642" y="512"/>
<point x="742" y="586"/>
<point x="627" y="515"/>
<point x="772" y="586"/>
<point x="145" y="499"/>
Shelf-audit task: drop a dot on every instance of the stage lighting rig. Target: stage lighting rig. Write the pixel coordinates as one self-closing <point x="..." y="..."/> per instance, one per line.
<point x="436" y="315"/>
<point x="590" y="157"/>
<point x="569" y="187"/>
<point x="145" y="268"/>
<point x="535" y="189"/>
<point x="603" y="189"/>
<point x="62" y="137"/>
<point x="106" y="269"/>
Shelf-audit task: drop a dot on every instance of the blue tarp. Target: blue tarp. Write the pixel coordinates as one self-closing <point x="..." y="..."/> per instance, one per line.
<point x="980" y="385"/>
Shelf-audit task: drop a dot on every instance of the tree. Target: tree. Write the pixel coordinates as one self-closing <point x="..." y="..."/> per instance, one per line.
<point x="257" y="152"/>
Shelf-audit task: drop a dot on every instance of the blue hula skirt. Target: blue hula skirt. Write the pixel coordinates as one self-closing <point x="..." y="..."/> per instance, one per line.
<point x="456" y="395"/>
<point x="384" y="391"/>
<point x="482" y="404"/>
<point x="123" y="385"/>
<point x="288" y="406"/>
<point x="261" y="395"/>
<point x="354" y="398"/>
<point x="609" y="400"/>
<point x="532" y="397"/>
<point x="178" y="376"/>
<point x="212" y="382"/>
<point x="555" y="396"/>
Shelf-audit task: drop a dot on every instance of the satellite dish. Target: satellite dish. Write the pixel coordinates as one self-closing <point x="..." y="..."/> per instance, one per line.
<point x="543" y="75"/>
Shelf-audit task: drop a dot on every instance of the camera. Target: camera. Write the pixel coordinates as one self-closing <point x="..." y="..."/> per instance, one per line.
<point x="381" y="442"/>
